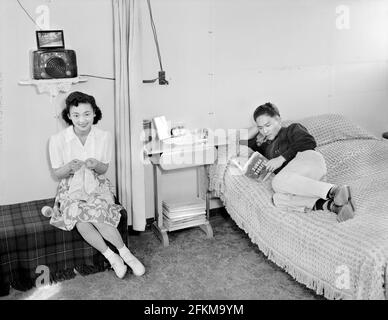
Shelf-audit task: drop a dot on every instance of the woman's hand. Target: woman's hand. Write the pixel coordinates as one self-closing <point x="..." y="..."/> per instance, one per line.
<point x="97" y="166"/>
<point x="275" y="163"/>
<point x="91" y="163"/>
<point x="75" y="165"/>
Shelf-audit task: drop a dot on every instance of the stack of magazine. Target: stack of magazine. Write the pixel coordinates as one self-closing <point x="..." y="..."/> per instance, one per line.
<point x="183" y="214"/>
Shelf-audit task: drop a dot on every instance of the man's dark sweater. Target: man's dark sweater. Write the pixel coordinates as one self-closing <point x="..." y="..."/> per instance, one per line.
<point x="288" y="142"/>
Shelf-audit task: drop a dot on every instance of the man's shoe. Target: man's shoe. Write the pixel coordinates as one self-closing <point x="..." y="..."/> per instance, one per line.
<point x="341" y="195"/>
<point x="344" y="212"/>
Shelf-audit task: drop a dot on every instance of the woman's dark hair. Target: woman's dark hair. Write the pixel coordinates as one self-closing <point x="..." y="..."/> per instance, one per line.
<point x="267" y="108"/>
<point x="74" y="99"/>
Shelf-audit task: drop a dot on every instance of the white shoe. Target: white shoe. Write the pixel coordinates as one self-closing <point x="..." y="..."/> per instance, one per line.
<point x="119" y="267"/>
<point x="136" y="266"/>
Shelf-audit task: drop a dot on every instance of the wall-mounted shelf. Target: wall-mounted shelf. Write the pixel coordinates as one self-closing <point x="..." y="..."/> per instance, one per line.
<point x="53" y="86"/>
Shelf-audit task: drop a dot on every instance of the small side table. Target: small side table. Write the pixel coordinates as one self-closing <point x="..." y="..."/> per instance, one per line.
<point x="159" y="154"/>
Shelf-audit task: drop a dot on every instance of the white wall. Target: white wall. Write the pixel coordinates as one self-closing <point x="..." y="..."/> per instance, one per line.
<point x="2" y="27"/>
<point x="223" y="58"/>
<point x="289" y="52"/>
<point x="29" y="119"/>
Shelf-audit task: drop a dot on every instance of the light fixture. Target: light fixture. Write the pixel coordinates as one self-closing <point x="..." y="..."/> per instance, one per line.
<point x="162" y="74"/>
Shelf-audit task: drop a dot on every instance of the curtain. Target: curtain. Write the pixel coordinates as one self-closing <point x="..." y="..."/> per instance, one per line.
<point x="127" y="164"/>
<point x="1" y="132"/>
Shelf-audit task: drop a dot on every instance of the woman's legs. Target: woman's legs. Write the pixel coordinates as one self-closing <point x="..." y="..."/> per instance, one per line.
<point x="93" y="237"/>
<point x="111" y="234"/>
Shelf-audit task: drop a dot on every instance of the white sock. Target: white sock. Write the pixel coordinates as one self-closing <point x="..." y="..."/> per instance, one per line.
<point x="136" y="266"/>
<point x="116" y="262"/>
<point x="110" y="255"/>
<point x="124" y="251"/>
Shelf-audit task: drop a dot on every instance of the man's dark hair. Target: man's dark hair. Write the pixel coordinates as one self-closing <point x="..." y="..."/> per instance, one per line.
<point x="74" y="99"/>
<point x="267" y="108"/>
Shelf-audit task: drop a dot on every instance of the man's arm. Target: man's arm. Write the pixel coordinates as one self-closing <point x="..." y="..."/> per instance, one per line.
<point x="252" y="132"/>
<point x="300" y="140"/>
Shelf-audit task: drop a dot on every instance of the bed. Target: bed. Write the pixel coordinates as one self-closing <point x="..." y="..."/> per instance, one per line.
<point x="345" y="260"/>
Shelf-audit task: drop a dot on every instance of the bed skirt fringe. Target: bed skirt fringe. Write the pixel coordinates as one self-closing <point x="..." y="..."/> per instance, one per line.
<point x="309" y="281"/>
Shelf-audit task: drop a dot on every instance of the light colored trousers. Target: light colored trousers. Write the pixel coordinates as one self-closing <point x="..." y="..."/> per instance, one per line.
<point x="301" y="182"/>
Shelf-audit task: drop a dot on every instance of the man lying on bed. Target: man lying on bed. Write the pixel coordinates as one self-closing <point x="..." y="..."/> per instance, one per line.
<point x="298" y="168"/>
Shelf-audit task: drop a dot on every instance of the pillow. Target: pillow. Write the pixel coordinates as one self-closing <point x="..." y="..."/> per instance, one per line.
<point x="328" y="128"/>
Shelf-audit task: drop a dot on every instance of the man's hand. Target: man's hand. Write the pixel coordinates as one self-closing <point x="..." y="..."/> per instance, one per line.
<point x="75" y="165"/>
<point x="275" y="163"/>
<point x="91" y="163"/>
<point x="260" y="139"/>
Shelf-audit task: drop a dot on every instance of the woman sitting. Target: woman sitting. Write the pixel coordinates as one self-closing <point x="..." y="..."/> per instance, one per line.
<point x="80" y="156"/>
<point x="299" y="169"/>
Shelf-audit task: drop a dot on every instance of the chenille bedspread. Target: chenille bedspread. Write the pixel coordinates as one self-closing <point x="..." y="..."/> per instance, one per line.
<point x="345" y="260"/>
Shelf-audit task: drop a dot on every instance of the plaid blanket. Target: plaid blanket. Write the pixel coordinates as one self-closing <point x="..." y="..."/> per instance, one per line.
<point x="27" y="240"/>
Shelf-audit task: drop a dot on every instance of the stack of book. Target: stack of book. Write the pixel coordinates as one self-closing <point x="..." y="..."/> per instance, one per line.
<point x="183" y="214"/>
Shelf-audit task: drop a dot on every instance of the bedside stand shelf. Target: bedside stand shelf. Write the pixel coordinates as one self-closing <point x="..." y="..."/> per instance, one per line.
<point x="166" y="157"/>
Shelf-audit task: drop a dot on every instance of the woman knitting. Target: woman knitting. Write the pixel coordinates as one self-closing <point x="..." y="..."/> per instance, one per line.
<point x="80" y="156"/>
<point x="299" y="169"/>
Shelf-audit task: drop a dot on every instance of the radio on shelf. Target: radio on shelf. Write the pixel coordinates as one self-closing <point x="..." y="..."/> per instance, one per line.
<point x="52" y="60"/>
